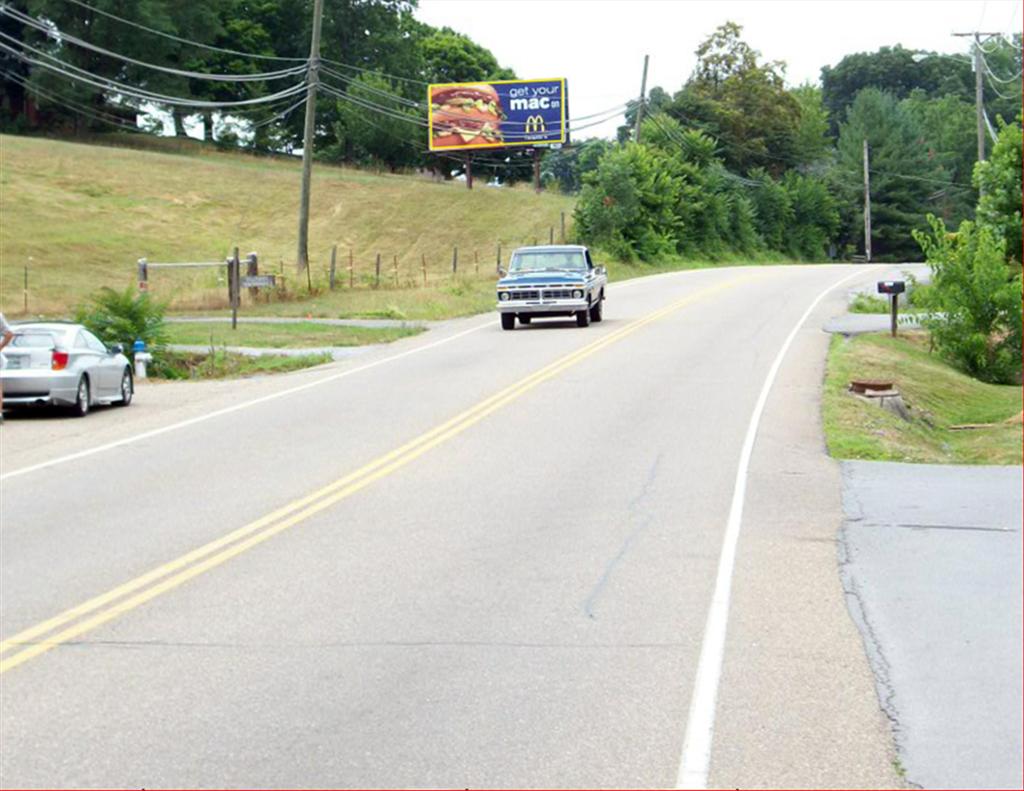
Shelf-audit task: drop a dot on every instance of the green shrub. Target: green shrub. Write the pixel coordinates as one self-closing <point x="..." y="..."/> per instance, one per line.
<point x="978" y="326"/>
<point x="124" y="317"/>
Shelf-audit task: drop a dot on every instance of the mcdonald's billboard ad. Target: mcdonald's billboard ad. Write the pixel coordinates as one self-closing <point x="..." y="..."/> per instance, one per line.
<point x="465" y="115"/>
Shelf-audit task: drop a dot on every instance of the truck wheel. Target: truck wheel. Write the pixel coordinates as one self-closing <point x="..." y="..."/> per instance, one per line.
<point x="597" y="310"/>
<point x="524" y="318"/>
<point x="583" y="317"/>
<point x="508" y="321"/>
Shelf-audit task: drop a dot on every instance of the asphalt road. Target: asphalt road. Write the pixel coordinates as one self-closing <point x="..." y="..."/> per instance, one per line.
<point x="473" y="558"/>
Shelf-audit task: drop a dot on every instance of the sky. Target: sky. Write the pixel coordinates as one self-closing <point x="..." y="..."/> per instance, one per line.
<point x="599" y="45"/>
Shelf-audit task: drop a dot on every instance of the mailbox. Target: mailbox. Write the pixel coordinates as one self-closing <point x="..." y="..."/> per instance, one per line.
<point x="891" y="286"/>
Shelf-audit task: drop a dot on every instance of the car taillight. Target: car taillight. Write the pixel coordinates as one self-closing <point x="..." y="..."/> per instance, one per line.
<point x="58" y="360"/>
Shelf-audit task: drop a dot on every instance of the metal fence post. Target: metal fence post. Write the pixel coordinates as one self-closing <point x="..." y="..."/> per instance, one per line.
<point x="143" y="275"/>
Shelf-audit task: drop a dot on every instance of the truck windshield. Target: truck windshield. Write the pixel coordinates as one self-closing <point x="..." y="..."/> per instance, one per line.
<point x="560" y="260"/>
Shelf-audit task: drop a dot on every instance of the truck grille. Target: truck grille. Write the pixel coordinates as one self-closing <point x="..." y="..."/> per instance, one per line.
<point x="557" y="293"/>
<point x="525" y="294"/>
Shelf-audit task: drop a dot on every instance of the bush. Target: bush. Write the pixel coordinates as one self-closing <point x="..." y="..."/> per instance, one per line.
<point x="978" y="326"/>
<point x="124" y="317"/>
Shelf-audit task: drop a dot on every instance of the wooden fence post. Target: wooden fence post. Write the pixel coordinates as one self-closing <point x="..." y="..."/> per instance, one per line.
<point x="234" y="286"/>
<point x="476" y="263"/>
<point x="551" y="235"/>
<point x="497" y="267"/>
<point x="455" y="259"/>
<point x="395" y="270"/>
<point x="334" y="259"/>
<point x="563" y="227"/>
<point x="377" y="270"/>
<point x="423" y="261"/>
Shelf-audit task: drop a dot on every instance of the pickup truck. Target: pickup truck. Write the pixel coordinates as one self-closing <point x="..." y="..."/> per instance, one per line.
<point x="551" y="280"/>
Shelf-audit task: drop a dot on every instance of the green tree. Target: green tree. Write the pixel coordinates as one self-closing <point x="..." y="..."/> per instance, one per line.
<point x="812" y="144"/>
<point x="627" y="203"/>
<point x="947" y="125"/>
<point x="976" y="307"/>
<point x="742" y="103"/>
<point x="902" y="176"/>
<point x="999" y="180"/>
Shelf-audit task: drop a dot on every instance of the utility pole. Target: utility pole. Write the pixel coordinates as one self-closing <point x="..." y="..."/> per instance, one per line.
<point x="979" y="87"/>
<point x="867" y="203"/>
<point x="643" y="95"/>
<point x="312" y="78"/>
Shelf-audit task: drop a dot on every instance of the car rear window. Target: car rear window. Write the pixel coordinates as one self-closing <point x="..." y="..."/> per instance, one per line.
<point x="33" y="340"/>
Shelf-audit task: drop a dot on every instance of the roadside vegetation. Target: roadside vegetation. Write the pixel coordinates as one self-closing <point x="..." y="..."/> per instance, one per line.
<point x="221" y="364"/>
<point x="960" y="378"/>
<point x="281" y="336"/>
<point x="955" y="419"/>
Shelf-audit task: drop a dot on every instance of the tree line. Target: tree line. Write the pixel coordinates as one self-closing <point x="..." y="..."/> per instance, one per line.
<point x="734" y="162"/>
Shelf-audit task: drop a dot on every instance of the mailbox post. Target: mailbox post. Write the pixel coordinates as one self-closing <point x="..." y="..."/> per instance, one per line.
<point x="893" y="288"/>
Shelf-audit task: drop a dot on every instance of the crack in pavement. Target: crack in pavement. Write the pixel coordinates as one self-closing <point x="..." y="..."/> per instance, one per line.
<point x="642" y="524"/>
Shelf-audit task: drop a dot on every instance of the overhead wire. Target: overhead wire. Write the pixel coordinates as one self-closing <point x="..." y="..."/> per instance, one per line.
<point x="52" y="63"/>
<point x="181" y="40"/>
<point x="61" y="36"/>
<point x="74" y="106"/>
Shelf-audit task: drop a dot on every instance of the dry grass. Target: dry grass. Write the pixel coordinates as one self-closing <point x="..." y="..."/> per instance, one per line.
<point x="81" y="215"/>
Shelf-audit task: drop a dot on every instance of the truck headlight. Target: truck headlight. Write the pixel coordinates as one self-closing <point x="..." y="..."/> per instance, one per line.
<point x="577" y="294"/>
<point x="503" y="296"/>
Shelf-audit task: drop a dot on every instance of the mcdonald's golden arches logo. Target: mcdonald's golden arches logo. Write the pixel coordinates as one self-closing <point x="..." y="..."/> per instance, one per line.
<point x="534" y="123"/>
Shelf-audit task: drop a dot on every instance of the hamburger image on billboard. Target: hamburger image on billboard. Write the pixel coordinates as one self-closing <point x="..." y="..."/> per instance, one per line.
<point x="467" y="115"/>
<point x="496" y="114"/>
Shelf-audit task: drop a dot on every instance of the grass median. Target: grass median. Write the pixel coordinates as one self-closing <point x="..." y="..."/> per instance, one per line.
<point x="954" y="419"/>
<point x="298" y="335"/>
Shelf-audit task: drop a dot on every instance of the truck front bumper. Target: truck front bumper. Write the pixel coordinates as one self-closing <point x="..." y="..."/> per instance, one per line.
<point x="556" y="307"/>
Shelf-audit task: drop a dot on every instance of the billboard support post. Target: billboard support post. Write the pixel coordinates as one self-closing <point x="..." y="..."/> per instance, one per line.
<point x="469" y="170"/>
<point x="536" y="170"/>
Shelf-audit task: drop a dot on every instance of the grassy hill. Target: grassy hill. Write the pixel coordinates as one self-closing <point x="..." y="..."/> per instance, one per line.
<point x="81" y="215"/>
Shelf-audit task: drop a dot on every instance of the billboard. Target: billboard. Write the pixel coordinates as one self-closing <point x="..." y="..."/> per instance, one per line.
<point x="469" y="115"/>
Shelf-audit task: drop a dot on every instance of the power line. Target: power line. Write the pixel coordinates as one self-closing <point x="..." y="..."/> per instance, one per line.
<point x="181" y="40"/>
<point x="104" y="83"/>
<point x="61" y="36"/>
<point x="1000" y="80"/>
<point x="72" y="105"/>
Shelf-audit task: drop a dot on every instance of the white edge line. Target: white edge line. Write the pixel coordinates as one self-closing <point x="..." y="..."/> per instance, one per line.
<point x="234" y="408"/>
<point x="695" y="760"/>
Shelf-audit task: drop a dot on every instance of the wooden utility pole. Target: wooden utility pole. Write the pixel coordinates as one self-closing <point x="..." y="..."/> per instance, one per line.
<point x="979" y="87"/>
<point x="643" y="94"/>
<point x="469" y="170"/>
<point x="536" y="170"/>
<point x="867" y="203"/>
<point x="312" y="78"/>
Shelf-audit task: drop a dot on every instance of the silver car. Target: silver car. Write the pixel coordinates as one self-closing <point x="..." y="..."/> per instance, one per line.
<point x="64" y="364"/>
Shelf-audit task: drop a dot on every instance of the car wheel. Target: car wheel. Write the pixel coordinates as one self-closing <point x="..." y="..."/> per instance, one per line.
<point x="524" y="319"/>
<point x="597" y="310"/>
<point x="508" y="321"/>
<point x="583" y="317"/>
<point x="127" y="388"/>
<point x="81" y="407"/>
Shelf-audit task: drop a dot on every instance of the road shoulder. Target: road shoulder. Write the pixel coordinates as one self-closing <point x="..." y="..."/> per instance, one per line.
<point x="797" y="706"/>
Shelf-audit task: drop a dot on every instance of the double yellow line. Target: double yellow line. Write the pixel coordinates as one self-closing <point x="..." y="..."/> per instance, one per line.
<point x="101" y="609"/>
